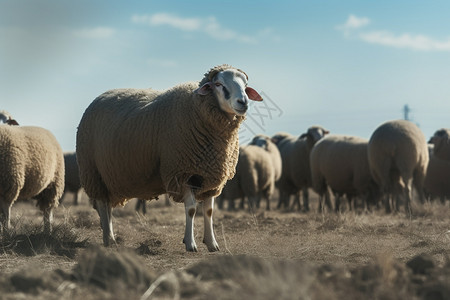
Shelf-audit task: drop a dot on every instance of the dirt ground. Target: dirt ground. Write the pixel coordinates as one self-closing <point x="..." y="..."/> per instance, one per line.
<point x="264" y="255"/>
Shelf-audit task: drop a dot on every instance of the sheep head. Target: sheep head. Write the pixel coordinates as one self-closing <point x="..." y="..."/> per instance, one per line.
<point x="229" y="86"/>
<point x="6" y="118"/>
<point x="261" y="141"/>
<point x="314" y="134"/>
<point x="440" y="140"/>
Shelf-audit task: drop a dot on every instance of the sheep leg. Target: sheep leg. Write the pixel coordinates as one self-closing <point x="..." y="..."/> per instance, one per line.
<point x="48" y="219"/>
<point x="6" y="212"/>
<point x="284" y="200"/>
<point x="77" y="198"/>
<point x="328" y="201"/>
<point x="305" y="199"/>
<point x="105" y="213"/>
<point x="258" y="201"/>
<point x="408" y="197"/>
<point x="242" y="203"/>
<point x="296" y="201"/>
<point x="324" y="199"/>
<point x="387" y="204"/>
<point x="190" y="207"/>
<point x="337" y="201"/>
<point x="231" y="205"/>
<point x="208" y="237"/>
<point x="252" y="203"/>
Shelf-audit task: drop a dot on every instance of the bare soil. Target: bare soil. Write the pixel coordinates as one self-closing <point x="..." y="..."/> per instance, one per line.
<point x="264" y="255"/>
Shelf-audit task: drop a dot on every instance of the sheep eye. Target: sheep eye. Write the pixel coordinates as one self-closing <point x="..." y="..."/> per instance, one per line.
<point x="218" y="84"/>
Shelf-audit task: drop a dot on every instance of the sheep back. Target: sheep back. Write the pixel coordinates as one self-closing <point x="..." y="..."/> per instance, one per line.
<point x="295" y="164"/>
<point x="397" y="146"/>
<point x="143" y="143"/>
<point x="256" y="171"/>
<point x="254" y="174"/>
<point x="342" y="162"/>
<point x="274" y="153"/>
<point x="32" y="165"/>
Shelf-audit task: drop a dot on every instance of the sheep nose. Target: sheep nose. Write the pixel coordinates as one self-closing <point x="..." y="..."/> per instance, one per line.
<point x="243" y="102"/>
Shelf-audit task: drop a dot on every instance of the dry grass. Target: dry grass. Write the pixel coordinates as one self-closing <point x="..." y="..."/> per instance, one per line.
<point x="266" y="255"/>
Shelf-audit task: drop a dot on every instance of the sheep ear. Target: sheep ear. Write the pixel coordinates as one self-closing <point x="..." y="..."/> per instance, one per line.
<point x="204" y="89"/>
<point x="252" y="94"/>
<point x="12" y="122"/>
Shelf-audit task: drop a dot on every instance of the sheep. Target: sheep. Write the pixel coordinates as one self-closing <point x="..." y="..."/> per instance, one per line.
<point x="6" y="118"/>
<point x="266" y="143"/>
<point x="437" y="180"/>
<point x="341" y="163"/>
<point x="277" y="140"/>
<point x="398" y="159"/>
<point x="296" y="173"/>
<point x="72" y="178"/>
<point x="258" y="167"/>
<point x="141" y="143"/>
<point x="441" y="142"/>
<point x="32" y="166"/>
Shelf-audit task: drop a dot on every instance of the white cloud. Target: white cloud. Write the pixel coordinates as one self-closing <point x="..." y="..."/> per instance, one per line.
<point x="186" y="24"/>
<point x="352" y="29"/>
<point x="354" y="22"/>
<point x="208" y="25"/>
<point x="416" y="42"/>
<point x="95" y="33"/>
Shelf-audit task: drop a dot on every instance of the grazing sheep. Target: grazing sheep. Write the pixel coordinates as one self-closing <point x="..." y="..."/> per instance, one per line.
<point x="183" y="141"/>
<point x="6" y="118"/>
<point x="32" y="166"/>
<point x="296" y="173"/>
<point x="398" y="159"/>
<point x="441" y="142"/>
<point x="437" y="180"/>
<point x="341" y="163"/>
<point x="72" y="177"/>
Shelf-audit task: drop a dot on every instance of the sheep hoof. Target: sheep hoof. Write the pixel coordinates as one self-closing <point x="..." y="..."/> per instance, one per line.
<point x="212" y="246"/>
<point x="190" y="247"/>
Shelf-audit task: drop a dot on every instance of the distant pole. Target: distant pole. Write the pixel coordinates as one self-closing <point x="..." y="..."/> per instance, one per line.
<point x="406" y="111"/>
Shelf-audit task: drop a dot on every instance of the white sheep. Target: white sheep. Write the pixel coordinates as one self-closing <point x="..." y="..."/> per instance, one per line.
<point x="72" y="177"/>
<point x="183" y="141"/>
<point x="267" y="144"/>
<point x="296" y="172"/>
<point x="32" y="166"/>
<point x="258" y="167"/>
<point x="441" y="142"/>
<point x="398" y="159"/>
<point x="341" y="163"/>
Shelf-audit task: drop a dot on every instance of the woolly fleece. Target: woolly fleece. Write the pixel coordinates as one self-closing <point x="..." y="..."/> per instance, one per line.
<point x="32" y="165"/>
<point x="143" y="143"/>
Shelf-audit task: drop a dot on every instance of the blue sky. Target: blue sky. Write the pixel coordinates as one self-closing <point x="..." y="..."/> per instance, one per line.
<point x="345" y="65"/>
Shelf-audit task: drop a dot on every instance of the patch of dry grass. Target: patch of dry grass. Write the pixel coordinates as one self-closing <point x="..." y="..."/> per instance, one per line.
<point x="265" y="255"/>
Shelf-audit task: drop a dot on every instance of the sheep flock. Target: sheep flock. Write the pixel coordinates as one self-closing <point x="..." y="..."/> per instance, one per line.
<point x="183" y="143"/>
